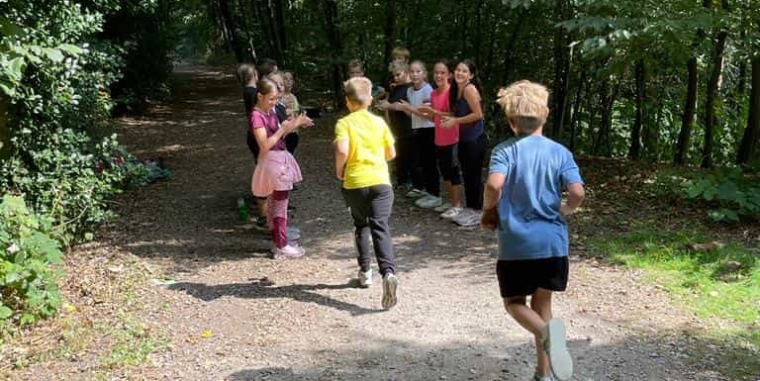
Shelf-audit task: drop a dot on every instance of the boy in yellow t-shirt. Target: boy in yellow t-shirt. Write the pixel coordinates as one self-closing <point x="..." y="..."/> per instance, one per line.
<point x="363" y="146"/>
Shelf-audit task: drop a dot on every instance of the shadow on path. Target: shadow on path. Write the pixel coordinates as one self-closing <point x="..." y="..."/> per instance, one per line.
<point x="264" y="289"/>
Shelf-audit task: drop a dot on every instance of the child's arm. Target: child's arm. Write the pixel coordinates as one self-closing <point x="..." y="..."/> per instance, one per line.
<point x="390" y="152"/>
<point x="472" y="97"/>
<point x="575" y="195"/>
<point x="491" y="196"/>
<point x="341" y="157"/>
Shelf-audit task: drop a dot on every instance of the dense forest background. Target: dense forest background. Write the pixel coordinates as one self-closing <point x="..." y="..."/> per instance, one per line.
<point x="668" y="82"/>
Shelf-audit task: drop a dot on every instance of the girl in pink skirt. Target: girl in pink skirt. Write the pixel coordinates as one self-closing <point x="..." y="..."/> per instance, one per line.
<point x="277" y="170"/>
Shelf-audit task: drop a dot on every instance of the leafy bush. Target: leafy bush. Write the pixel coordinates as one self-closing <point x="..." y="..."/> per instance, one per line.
<point x="729" y="193"/>
<point x="28" y="253"/>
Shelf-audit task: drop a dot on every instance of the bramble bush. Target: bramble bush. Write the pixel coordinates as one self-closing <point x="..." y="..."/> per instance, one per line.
<point x="730" y="194"/>
<point x="28" y="272"/>
<point x="57" y="67"/>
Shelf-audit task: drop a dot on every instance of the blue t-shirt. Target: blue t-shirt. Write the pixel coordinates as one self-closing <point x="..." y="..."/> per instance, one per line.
<point x="530" y="223"/>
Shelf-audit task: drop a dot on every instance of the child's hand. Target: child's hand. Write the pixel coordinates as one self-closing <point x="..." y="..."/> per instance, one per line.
<point x="566" y="210"/>
<point x="448" y="122"/>
<point x="490" y="219"/>
<point x="427" y="111"/>
<point x="383" y="104"/>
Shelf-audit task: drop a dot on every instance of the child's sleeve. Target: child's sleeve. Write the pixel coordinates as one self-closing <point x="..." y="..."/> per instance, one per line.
<point x="570" y="173"/>
<point x="257" y="120"/>
<point x="341" y="131"/>
<point x="388" y="139"/>
<point x="499" y="161"/>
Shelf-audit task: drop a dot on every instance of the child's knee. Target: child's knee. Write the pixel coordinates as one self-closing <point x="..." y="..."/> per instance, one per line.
<point x="515" y="301"/>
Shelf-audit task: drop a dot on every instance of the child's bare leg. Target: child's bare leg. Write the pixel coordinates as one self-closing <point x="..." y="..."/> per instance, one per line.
<point x="541" y="303"/>
<point x="453" y="192"/>
<point x="532" y="320"/>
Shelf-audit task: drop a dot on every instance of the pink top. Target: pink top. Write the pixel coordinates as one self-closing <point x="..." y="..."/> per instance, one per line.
<point x="443" y="136"/>
<point x="268" y="121"/>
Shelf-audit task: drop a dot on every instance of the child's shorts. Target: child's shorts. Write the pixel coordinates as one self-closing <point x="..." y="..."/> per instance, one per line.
<point x="524" y="277"/>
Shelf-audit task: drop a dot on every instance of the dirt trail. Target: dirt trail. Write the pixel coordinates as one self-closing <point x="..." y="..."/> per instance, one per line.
<point x="233" y="314"/>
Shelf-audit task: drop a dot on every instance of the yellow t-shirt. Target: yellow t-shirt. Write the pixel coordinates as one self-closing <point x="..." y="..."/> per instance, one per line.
<point x="368" y="135"/>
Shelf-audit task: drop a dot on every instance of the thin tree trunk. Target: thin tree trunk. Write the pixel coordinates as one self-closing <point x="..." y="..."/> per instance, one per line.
<point x="576" y="111"/>
<point x="5" y="129"/>
<point x="230" y="25"/>
<point x="634" y="151"/>
<point x="689" y="112"/>
<point x="711" y="120"/>
<point x="561" y="72"/>
<point x="336" y="50"/>
<point x="748" y="149"/>
<point x="511" y="44"/>
<point x="389" y="36"/>
<point x="247" y="27"/>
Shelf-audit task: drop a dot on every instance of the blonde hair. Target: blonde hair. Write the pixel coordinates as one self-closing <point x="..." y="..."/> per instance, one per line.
<point x="422" y="65"/>
<point x="400" y="52"/>
<point x="358" y="90"/>
<point x="526" y="105"/>
<point x="399" y="66"/>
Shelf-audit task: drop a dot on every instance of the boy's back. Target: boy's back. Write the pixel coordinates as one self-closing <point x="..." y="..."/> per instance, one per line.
<point x="536" y="170"/>
<point x="368" y="137"/>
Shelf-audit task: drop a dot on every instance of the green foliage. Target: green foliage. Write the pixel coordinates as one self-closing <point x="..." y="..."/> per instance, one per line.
<point x="28" y="255"/>
<point x="718" y="282"/>
<point x="729" y="194"/>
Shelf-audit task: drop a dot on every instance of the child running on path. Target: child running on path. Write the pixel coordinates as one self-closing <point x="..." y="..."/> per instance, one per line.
<point x="363" y="145"/>
<point x="277" y="170"/>
<point x="523" y="200"/>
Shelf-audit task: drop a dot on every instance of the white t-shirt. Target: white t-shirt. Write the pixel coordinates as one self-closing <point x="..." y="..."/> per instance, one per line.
<point x="418" y="97"/>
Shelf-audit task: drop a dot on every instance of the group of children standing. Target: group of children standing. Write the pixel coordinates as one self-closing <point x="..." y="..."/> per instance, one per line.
<point x="434" y="132"/>
<point x="439" y="133"/>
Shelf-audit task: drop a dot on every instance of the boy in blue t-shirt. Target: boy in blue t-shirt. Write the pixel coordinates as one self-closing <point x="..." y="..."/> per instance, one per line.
<point x="523" y="200"/>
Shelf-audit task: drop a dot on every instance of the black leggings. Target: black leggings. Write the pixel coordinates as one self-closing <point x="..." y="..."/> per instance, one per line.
<point x="471" y="156"/>
<point x="371" y="209"/>
<point x="425" y="163"/>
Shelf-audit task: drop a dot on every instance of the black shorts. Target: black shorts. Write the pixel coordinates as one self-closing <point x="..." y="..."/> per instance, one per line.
<point x="524" y="277"/>
<point x="448" y="163"/>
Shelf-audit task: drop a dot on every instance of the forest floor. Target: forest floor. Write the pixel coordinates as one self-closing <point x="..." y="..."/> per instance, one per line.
<point x="178" y="289"/>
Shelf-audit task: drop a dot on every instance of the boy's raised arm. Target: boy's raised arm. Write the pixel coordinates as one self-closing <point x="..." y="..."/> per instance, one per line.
<point x="575" y="195"/>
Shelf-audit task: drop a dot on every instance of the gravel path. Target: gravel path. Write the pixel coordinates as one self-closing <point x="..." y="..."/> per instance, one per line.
<point x="229" y="313"/>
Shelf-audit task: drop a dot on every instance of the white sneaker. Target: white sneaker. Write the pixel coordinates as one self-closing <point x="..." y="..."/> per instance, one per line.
<point x="365" y="278"/>
<point x="471" y="219"/>
<point x="415" y="193"/>
<point x="289" y="252"/>
<point x="429" y="202"/>
<point x="556" y="348"/>
<point x="390" y="283"/>
<point x="443" y="207"/>
<point x="452" y="212"/>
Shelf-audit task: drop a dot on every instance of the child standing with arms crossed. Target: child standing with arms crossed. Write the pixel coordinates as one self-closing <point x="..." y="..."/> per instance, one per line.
<point x="363" y="145"/>
<point x="523" y="200"/>
<point x="277" y="170"/>
<point x="401" y="126"/>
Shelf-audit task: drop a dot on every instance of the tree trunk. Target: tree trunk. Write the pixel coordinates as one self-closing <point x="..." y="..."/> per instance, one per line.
<point x="711" y="120"/>
<point x="5" y="129"/>
<point x="561" y="72"/>
<point x="229" y="24"/>
<point x="247" y="27"/>
<point x="388" y="32"/>
<point x="748" y="149"/>
<point x="689" y="112"/>
<point x="336" y="50"/>
<point x="576" y="111"/>
<point x="607" y="98"/>
<point x="511" y="44"/>
<point x="634" y="152"/>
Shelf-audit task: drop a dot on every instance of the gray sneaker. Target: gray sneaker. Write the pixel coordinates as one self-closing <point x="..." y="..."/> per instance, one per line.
<point x="365" y="278"/>
<point x="556" y="348"/>
<point x="390" y="283"/>
<point x="536" y="377"/>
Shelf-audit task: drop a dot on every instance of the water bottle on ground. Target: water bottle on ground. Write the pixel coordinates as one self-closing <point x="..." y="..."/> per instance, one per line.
<point x="242" y="210"/>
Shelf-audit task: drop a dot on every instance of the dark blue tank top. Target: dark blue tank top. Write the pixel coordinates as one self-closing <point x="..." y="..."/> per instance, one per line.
<point x="471" y="131"/>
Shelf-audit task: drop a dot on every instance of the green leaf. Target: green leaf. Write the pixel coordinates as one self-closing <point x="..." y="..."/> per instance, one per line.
<point x="54" y="55"/>
<point x="5" y="312"/>
<point x="71" y="49"/>
<point x="15" y="69"/>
